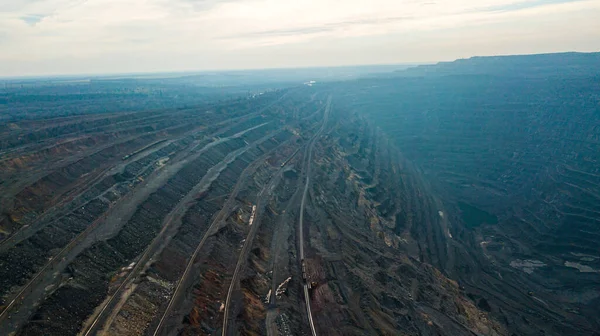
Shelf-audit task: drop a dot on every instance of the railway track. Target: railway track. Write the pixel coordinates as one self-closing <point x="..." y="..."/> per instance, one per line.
<point x="159" y="240"/>
<point x="301" y="221"/>
<point x="209" y="232"/>
<point x="51" y="263"/>
<point x="249" y="240"/>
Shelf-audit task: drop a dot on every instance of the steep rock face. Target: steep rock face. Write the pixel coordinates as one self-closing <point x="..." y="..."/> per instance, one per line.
<point x="514" y="157"/>
<point x="376" y="236"/>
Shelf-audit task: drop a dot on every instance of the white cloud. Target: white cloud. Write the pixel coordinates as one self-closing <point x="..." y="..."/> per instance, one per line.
<point x="57" y="36"/>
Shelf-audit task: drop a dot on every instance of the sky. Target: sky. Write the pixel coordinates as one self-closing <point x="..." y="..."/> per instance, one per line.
<point x="49" y="37"/>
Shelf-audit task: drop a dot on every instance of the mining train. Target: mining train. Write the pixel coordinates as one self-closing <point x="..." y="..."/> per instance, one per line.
<point x="304" y="277"/>
<point x="310" y="284"/>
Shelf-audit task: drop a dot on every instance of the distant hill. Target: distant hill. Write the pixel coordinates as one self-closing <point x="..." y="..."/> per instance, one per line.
<point x="540" y="65"/>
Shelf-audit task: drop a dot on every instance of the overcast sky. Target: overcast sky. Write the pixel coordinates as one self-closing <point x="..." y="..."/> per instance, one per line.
<point x="39" y="37"/>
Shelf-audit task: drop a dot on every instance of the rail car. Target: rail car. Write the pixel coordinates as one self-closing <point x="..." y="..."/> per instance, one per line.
<point x="304" y="277"/>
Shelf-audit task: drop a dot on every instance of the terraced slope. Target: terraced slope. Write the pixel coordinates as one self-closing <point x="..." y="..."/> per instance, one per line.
<point x="76" y="215"/>
<point x="514" y="156"/>
<point x="181" y="221"/>
<point x="464" y="203"/>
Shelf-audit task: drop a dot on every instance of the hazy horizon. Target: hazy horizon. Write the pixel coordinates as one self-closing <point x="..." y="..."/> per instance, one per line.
<point x="213" y="71"/>
<point x="73" y="37"/>
<point x="176" y="73"/>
